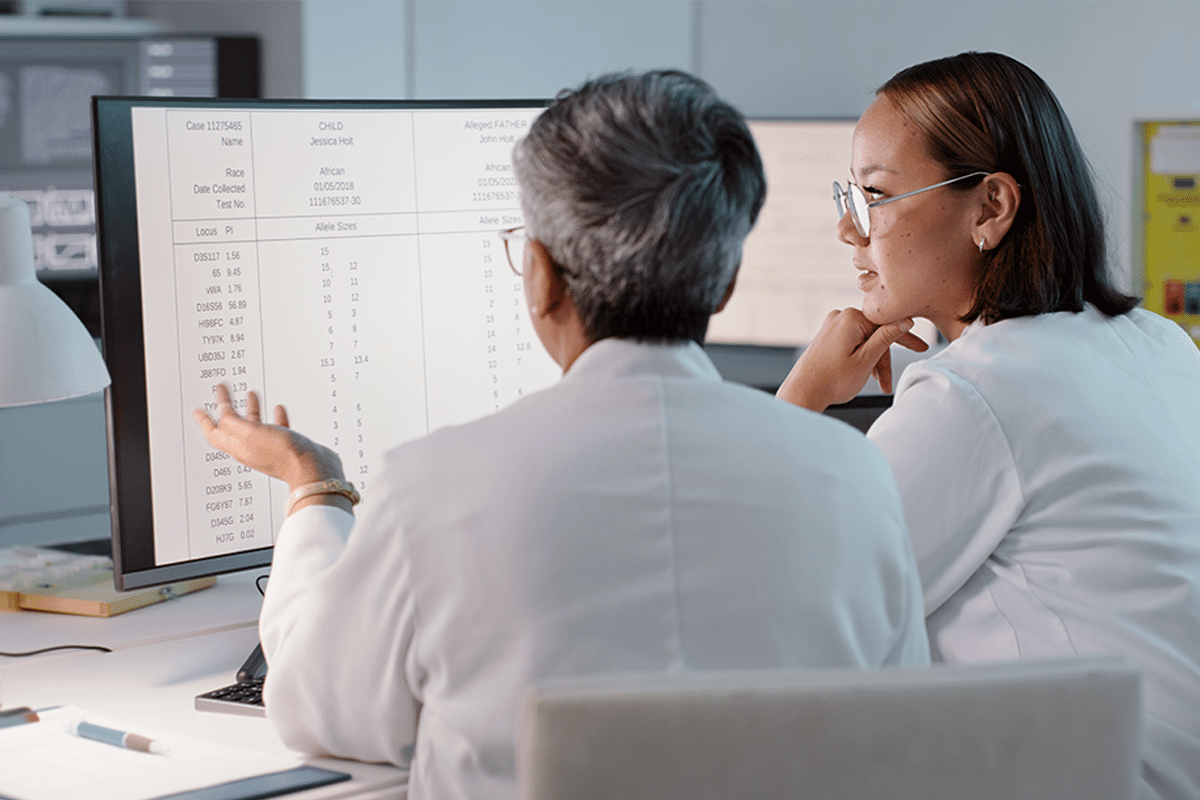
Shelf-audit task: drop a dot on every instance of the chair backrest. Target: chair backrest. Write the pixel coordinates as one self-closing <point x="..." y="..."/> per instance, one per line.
<point x="1049" y="730"/>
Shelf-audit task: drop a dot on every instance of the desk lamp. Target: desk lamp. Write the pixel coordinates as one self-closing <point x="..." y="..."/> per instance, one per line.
<point x="45" y="351"/>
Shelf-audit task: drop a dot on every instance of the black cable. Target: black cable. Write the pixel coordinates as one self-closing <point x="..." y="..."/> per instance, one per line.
<point x="257" y="585"/>
<point x="58" y="647"/>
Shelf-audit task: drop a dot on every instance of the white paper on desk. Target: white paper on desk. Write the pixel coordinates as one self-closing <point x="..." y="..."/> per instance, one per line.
<point x="41" y="761"/>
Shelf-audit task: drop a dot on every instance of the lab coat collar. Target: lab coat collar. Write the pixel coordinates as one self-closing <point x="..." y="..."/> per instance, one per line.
<point x="1089" y="311"/>
<point x="625" y="358"/>
<point x="976" y="325"/>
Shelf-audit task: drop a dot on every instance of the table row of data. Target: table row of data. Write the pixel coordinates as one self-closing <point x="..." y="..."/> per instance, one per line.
<point x="365" y="348"/>
<point x="344" y="226"/>
<point x="235" y="163"/>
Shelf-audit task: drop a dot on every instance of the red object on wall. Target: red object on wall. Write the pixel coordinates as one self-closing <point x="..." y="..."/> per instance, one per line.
<point x="1173" y="297"/>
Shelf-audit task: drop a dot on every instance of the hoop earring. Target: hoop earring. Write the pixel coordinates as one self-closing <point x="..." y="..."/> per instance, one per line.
<point x="982" y="242"/>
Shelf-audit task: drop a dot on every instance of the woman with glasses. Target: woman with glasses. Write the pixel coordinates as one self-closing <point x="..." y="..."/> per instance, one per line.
<point x="1049" y="457"/>
<point x="640" y="515"/>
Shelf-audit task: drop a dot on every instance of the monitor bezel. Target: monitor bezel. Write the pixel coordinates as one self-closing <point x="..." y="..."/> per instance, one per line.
<point x="121" y="324"/>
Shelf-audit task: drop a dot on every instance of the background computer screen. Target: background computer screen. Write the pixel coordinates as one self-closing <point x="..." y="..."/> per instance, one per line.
<point x="339" y="258"/>
<point x="794" y="268"/>
<point x="46" y="84"/>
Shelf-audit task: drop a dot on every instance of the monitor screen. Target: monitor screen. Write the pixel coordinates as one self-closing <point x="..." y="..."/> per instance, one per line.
<point x="45" y="130"/>
<point x="794" y="269"/>
<point x="340" y="258"/>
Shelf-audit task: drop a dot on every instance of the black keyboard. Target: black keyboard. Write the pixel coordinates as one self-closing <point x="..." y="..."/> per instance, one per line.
<point x="243" y="697"/>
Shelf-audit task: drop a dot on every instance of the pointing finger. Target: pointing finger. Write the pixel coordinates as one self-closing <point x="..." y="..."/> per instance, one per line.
<point x="207" y="426"/>
<point x="217" y="433"/>
<point x="224" y="401"/>
<point x="253" y="409"/>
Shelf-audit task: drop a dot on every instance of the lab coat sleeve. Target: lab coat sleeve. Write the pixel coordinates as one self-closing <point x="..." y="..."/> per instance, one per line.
<point x="337" y="625"/>
<point x="956" y="472"/>
<point x="912" y="643"/>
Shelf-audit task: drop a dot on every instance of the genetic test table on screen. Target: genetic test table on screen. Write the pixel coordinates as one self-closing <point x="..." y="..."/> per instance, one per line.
<point x="343" y="263"/>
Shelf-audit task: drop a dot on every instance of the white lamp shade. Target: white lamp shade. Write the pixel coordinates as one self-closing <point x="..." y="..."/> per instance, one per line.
<point x="45" y="351"/>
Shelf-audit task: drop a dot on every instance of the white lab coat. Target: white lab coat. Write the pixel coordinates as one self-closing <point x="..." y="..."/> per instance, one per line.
<point x="639" y="515"/>
<point x="1050" y="469"/>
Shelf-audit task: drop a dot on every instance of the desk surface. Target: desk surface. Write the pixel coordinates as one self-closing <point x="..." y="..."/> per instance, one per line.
<point x="163" y="656"/>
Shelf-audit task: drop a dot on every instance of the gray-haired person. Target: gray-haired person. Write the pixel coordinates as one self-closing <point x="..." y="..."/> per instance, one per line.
<point x="640" y="515"/>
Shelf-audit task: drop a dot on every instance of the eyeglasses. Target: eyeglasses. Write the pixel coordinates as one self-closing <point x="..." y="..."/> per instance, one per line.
<point x="853" y="199"/>
<point x="515" y="241"/>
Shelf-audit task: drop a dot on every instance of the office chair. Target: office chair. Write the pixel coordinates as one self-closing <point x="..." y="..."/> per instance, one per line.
<point x="1037" y="730"/>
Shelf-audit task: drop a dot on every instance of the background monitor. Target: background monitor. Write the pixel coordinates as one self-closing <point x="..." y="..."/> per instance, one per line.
<point x="45" y="133"/>
<point x="794" y="268"/>
<point x="341" y="258"/>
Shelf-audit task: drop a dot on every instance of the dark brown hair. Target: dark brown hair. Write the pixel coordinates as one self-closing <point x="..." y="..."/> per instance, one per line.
<point x="991" y="113"/>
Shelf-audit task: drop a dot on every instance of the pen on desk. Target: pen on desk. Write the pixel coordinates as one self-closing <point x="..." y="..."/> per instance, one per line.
<point x="130" y="741"/>
<point x="17" y="716"/>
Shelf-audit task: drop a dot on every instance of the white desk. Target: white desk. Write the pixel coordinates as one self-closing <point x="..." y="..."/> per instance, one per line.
<point x="163" y="656"/>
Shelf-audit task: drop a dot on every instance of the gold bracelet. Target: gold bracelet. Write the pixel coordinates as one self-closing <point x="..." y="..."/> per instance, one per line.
<point x="328" y="486"/>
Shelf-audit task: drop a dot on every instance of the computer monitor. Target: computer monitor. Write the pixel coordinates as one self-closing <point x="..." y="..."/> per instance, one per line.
<point x="794" y="268"/>
<point x="46" y="83"/>
<point x="341" y="258"/>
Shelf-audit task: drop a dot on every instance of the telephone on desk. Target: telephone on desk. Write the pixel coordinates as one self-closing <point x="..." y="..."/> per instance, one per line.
<point x="243" y="697"/>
